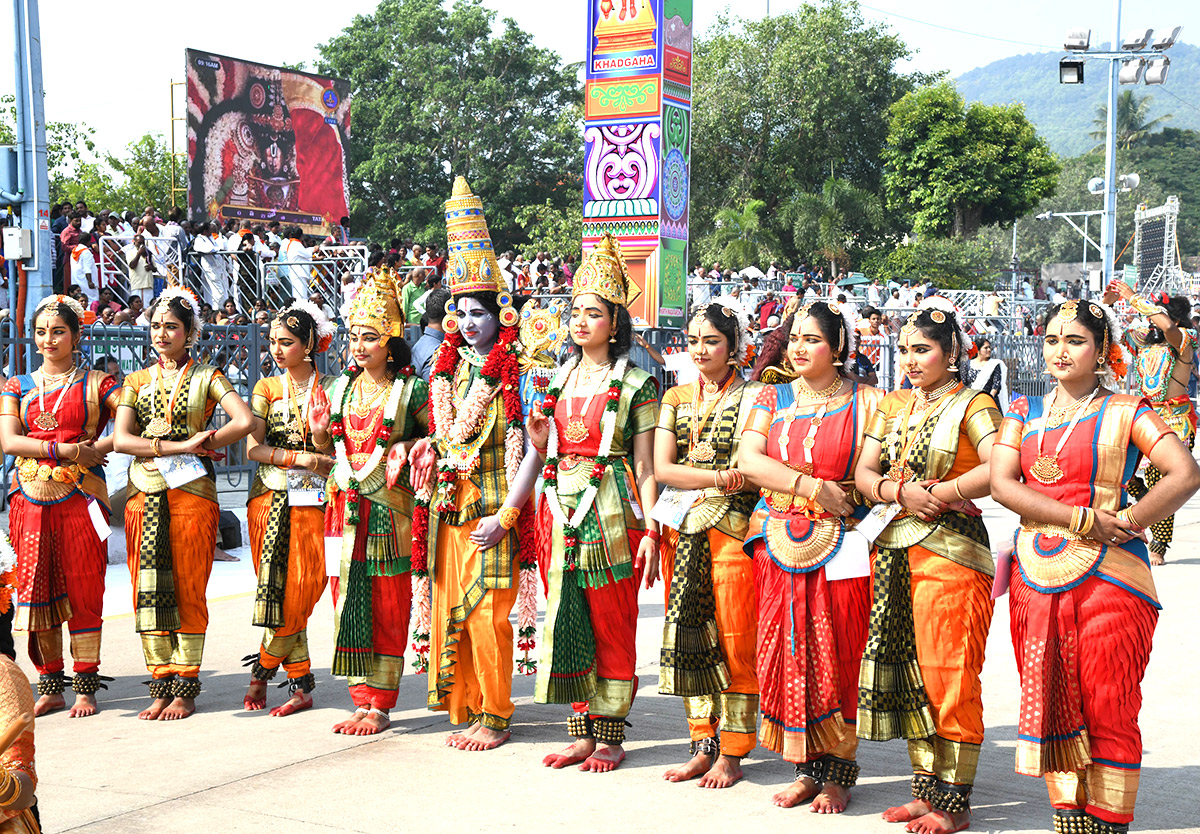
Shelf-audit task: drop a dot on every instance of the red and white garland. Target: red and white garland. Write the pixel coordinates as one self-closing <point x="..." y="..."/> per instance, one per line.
<point x="608" y="427"/>
<point x="500" y="373"/>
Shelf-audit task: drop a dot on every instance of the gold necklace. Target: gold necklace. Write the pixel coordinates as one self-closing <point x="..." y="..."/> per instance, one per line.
<point x="825" y="393"/>
<point x="367" y="401"/>
<point x="577" y="430"/>
<point x="46" y="420"/>
<point x="703" y="451"/>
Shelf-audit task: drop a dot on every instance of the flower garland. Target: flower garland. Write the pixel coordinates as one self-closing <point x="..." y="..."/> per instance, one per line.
<point x="500" y="373"/>
<point x="608" y="425"/>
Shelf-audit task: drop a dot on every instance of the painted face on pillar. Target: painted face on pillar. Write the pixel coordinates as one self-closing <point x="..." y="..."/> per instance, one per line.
<point x="478" y="325"/>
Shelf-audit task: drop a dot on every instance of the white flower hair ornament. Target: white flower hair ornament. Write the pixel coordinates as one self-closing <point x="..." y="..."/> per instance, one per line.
<point x="60" y="301"/>
<point x="322" y="326"/>
<point x="189" y="298"/>
<point x="945" y="305"/>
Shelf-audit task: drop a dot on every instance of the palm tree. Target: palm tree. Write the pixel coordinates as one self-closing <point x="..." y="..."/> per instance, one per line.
<point x="1132" y="119"/>
<point x="824" y="223"/>
<point x="741" y="237"/>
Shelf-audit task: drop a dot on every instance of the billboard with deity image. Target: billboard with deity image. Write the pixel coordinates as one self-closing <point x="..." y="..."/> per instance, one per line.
<point x="265" y="143"/>
<point x="637" y="125"/>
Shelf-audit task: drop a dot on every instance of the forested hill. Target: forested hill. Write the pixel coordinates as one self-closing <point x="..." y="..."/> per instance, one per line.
<point x="1064" y="113"/>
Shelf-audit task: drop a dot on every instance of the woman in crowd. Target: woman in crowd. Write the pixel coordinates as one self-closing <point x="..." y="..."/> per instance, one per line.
<point x="987" y="373"/>
<point x="171" y="513"/>
<point x="926" y="454"/>
<point x="708" y="638"/>
<point x="595" y="431"/>
<point x="379" y="409"/>
<point x="481" y="552"/>
<point x="801" y="446"/>
<point x="51" y="420"/>
<point x="1083" y="603"/>
<point x="286" y="513"/>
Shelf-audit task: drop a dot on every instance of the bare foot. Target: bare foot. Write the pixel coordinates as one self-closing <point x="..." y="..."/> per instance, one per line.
<point x="802" y="790"/>
<point x="179" y="708"/>
<point x="724" y="773"/>
<point x="459" y="738"/>
<point x="49" y="703"/>
<point x="938" y="821"/>
<point x="155" y="709"/>
<point x="256" y="695"/>
<point x="220" y="555"/>
<point x="832" y="799"/>
<point x="573" y="753"/>
<point x="908" y="812"/>
<point x="347" y="726"/>
<point x="375" y="721"/>
<point x="485" y="738"/>
<point x="299" y="701"/>
<point x="1157" y="559"/>
<point x="697" y="765"/>
<point x="85" y="705"/>
<point x="607" y="757"/>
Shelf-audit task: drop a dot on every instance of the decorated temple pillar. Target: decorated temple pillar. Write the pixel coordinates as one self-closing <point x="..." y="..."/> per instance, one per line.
<point x="637" y="145"/>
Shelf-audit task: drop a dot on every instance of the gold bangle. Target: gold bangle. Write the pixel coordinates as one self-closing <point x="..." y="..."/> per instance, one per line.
<point x="1089" y="521"/>
<point x="796" y="483"/>
<point x="9" y="782"/>
<point x="958" y="491"/>
<point x="816" y="490"/>
<point x="1128" y="511"/>
<point x="1076" y="518"/>
<point x="154" y="447"/>
<point x="508" y="517"/>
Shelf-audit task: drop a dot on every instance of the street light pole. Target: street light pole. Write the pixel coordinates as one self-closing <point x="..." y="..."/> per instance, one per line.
<point x="1108" y="230"/>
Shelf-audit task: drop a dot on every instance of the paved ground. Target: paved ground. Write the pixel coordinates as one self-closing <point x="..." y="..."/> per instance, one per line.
<point x="231" y="771"/>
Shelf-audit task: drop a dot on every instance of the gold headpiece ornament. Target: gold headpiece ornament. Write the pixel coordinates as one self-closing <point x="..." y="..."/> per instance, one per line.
<point x="603" y="273"/>
<point x="473" y="267"/>
<point x="377" y="305"/>
<point x="53" y="304"/>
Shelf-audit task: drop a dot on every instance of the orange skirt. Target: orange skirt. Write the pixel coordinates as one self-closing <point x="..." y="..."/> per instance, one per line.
<point x="306" y="558"/>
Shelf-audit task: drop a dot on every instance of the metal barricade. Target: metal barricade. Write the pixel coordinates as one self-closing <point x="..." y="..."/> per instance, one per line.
<point x="322" y="275"/>
<point x="115" y="255"/>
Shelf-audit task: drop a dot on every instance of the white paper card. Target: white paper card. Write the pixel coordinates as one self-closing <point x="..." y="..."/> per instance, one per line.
<point x="672" y="506"/>
<point x="635" y="500"/>
<point x="103" y="530"/>
<point x="877" y="519"/>
<point x="178" y="470"/>
<point x="333" y="555"/>
<point x="1003" y="570"/>
<point x="852" y="560"/>
<point x="305" y="488"/>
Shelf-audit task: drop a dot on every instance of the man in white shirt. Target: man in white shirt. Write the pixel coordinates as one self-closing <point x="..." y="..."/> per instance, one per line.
<point x="700" y="290"/>
<point x="86" y="219"/>
<point x="141" y="269"/>
<point x="83" y="267"/>
<point x="875" y="294"/>
<point x="292" y="251"/>
<point x="214" y="264"/>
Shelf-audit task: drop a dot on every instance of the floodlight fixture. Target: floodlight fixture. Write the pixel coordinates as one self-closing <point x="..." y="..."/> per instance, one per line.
<point x="1078" y="40"/>
<point x="1167" y="41"/>
<point x="1131" y="70"/>
<point x="1156" y="71"/>
<point x="1045" y="215"/>
<point x="1070" y="71"/>
<point x="1137" y="40"/>
<point x="1096" y="185"/>
<point x="1128" y="182"/>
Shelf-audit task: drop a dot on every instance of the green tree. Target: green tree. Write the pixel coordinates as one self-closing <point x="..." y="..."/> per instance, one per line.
<point x="549" y="228"/>
<point x="955" y="168"/>
<point x="70" y="151"/>
<point x="440" y="92"/>
<point x="1133" y="119"/>
<point x="827" y="223"/>
<point x="742" y="238"/>
<point x="780" y="100"/>
<point x="950" y="263"/>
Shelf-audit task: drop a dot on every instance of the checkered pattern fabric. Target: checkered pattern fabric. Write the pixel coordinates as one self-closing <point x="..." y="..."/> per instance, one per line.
<point x="272" y="565"/>
<point x="157" y="607"/>
<point x="1163" y="531"/>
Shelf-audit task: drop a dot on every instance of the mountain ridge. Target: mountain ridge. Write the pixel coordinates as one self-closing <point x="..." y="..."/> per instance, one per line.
<point x="1064" y="113"/>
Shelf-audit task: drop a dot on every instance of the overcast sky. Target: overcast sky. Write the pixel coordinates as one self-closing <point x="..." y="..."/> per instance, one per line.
<point x="110" y="69"/>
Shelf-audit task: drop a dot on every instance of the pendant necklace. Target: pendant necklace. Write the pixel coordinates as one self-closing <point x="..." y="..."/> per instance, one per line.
<point x="703" y="451"/>
<point x="902" y="472"/>
<point x="46" y="420"/>
<point x="814" y="425"/>
<point x="160" y="426"/>
<point x="297" y="424"/>
<point x="1046" y="469"/>
<point x="577" y="430"/>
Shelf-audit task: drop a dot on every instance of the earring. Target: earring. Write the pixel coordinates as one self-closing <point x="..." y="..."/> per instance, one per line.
<point x="612" y="340"/>
<point x="838" y="364"/>
<point x="1100" y="369"/>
